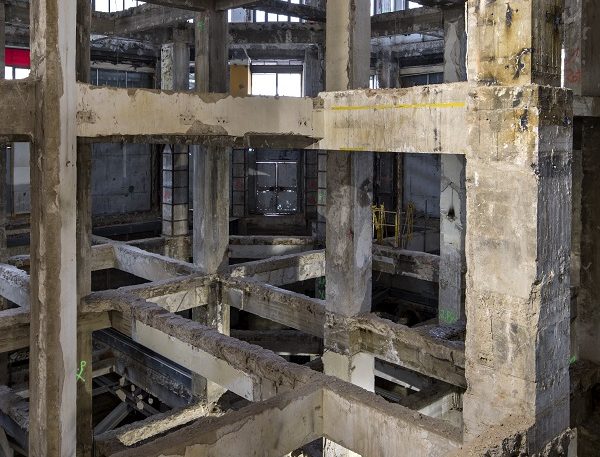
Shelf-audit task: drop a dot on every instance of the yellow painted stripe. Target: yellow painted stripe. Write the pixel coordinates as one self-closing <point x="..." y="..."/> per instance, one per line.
<point x="400" y="106"/>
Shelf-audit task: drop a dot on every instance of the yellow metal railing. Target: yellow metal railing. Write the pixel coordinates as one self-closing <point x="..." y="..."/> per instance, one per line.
<point x="384" y="221"/>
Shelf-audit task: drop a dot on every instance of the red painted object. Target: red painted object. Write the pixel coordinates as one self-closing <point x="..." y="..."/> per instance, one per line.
<point x="15" y="57"/>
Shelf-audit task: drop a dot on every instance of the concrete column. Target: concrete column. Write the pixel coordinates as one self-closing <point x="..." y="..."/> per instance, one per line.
<point x="175" y="64"/>
<point x="385" y="69"/>
<point x="455" y="45"/>
<point x="582" y="38"/>
<point x="53" y="329"/>
<point x="349" y="195"/>
<point x="582" y="66"/>
<point x="3" y="184"/>
<point x="85" y="431"/>
<point x="2" y="39"/>
<point x="452" y="239"/>
<point x="515" y="43"/>
<point x="3" y="191"/>
<point x="175" y="196"/>
<point x="211" y="192"/>
<point x="519" y="223"/>
<point x="321" y="196"/>
<point x="452" y="184"/>
<point x="314" y="80"/>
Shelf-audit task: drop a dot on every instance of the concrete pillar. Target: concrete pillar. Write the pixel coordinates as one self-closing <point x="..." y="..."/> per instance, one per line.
<point x="3" y="191"/>
<point x="452" y="239"/>
<point x="3" y="184"/>
<point x="582" y="45"/>
<point x="455" y="45"/>
<point x="212" y="168"/>
<point x="2" y="39"/>
<point x="85" y="430"/>
<point x="452" y="184"/>
<point x="240" y="79"/>
<point x="349" y="195"/>
<point x="53" y="329"/>
<point x="314" y="80"/>
<point x="582" y="66"/>
<point x="519" y="223"/>
<point x="175" y="64"/>
<point x="385" y="69"/>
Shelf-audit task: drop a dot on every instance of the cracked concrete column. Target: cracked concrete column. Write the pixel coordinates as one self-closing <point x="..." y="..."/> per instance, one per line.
<point x="452" y="184"/>
<point x="212" y="169"/>
<point x="582" y="66"/>
<point x="85" y="432"/>
<point x="519" y="221"/>
<point x="175" y="69"/>
<point x="53" y="328"/>
<point x="349" y="195"/>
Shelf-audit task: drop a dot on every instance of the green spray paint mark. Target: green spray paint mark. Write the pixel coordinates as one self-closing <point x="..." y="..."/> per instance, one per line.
<point x="79" y="374"/>
<point x="572" y="360"/>
<point x="448" y="316"/>
<point x="320" y="283"/>
<point x="201" y="24"/>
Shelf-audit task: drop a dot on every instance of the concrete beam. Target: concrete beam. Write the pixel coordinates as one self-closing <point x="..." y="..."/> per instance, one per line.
<point x="14" y="285"/>
<point x="13" y="416"/>
<point x="430" y="116"/>
<point x="357" y="420"/>
<point x="14" y="327"/>
<point x="177" y="294"/>
<point x="103" y="258"/>
<point x="406" y="22"/>
<point x="284" y="307"/>
<point x="191" y="5"/>
<point x="147" y="265"/>
<point x="422" y="350"/>
<point x="307" y="414"/>
<point x="307" y="12"/>
<point x="139" y="19"/>
<point x="261" y="247"/>
<point x="413" y="264"/>
<point x="113" y="114"/>
<point x="286" y="269"/>
<point x="249" y="431"/>
<point x="131" y="435"/>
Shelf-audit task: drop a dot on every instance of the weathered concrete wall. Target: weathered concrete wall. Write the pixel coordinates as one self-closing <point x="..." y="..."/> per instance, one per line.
<point x="121" y="178"/>
<point x="519" y="209"/>
<point x="114" y="113"/>
<point x="515" y="43"/>
<point x="429" y="116"/>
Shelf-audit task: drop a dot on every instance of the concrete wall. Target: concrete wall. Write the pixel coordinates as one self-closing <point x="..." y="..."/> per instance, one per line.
<point x="121" y="178"/>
